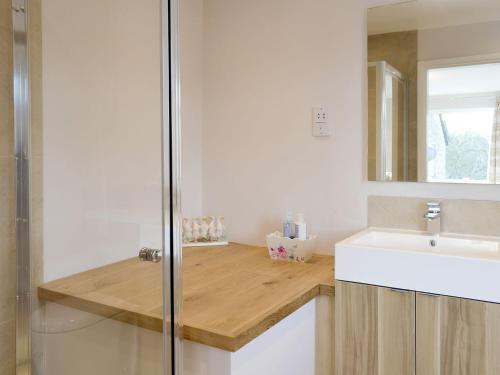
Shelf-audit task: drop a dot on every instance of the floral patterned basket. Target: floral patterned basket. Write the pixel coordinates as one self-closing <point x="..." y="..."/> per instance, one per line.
<point x="292" y="250"/>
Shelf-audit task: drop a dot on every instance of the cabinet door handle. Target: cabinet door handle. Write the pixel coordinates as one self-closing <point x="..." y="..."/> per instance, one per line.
<point x="400" y="290"/>
<point x="429" y="294"/>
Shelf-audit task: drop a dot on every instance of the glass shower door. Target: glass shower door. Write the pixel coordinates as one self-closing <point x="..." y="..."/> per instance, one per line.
<point x="387" y="123"/>
<point x="95" y="128"/>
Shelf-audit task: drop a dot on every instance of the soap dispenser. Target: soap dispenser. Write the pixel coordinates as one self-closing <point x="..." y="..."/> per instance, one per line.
<point x="300" y="227"/>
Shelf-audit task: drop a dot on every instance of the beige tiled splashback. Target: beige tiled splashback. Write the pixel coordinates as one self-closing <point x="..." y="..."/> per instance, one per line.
<point x="7" y="352"/>
<point x="458" y="215"/>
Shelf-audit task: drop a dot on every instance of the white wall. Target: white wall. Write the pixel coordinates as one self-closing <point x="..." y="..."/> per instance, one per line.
<point x="191" y="30"/>
<point x="266" y="65"/>
<point x="459" y="41"/>
<point x="102" y="123"/>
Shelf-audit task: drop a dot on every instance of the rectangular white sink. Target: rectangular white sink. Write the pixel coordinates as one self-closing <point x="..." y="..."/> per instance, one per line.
<point x="459" y="266"/>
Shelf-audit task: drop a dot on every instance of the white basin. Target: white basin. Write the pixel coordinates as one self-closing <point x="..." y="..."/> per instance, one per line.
<point x="460" y="266"/>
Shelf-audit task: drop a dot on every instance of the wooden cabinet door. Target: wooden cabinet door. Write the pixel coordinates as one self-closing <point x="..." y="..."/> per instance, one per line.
<point x="457" y="336"/>
<point x="375" y="330"/>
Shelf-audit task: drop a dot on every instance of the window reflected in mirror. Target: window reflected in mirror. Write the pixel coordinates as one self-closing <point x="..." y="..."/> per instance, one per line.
<point x="434" y="92"/>
<point x="462" y="102"/>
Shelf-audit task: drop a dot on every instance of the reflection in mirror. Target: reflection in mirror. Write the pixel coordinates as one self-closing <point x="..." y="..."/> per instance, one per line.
<point x="434" y="92"/>
<point x="388" y="104"/>
<point x="461" y="113"/>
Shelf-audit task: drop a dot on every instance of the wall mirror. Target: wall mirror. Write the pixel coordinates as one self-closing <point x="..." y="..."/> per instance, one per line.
<point x="434" y="91"/>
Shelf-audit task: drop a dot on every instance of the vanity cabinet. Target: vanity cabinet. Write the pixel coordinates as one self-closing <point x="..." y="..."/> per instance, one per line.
<point x="457" y="336"/>
<point x="375" y="330"/>
<point x="383" y="331"/>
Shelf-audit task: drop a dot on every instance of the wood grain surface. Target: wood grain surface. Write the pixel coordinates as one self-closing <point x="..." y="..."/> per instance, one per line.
<point x="375" y="330"/>
<point x="231" y="294"/>
<point x="457" y="336"/>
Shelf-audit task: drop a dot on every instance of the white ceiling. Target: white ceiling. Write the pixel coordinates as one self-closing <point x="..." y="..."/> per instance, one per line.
<point x="429" y="14"/>
<point x="470" y="79"/>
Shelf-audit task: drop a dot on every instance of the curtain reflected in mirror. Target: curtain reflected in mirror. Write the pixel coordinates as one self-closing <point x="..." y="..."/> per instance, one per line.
<point x="494" y="175"/>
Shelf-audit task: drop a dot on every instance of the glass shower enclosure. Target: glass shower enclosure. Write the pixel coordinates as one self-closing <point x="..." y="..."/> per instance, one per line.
<point x="387" y="123"/>
<point x="89" y="174"/>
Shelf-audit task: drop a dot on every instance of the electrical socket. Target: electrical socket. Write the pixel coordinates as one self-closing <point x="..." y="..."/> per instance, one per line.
<point x="319" y="115"/>
<point x="320" y="126"/>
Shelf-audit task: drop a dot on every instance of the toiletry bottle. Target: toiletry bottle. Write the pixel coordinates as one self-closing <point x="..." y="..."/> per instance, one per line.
<point x="300" y="227"/>
<point x="288" y="226"/>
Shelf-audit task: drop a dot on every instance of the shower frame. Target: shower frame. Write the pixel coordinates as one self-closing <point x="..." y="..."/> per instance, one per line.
<point x="22" y="154"/>
<point x="171" y="192"/>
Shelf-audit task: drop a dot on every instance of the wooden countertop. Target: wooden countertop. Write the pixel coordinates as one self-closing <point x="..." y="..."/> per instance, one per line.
<point x="232" y="294"/>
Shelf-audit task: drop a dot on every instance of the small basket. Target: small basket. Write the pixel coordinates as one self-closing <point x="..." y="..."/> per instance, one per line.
<point x="292" y="250"/>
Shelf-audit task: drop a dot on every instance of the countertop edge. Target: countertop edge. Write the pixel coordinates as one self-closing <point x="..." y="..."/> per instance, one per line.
<point x="198" y="335"/>
<point x="137" y="319"/>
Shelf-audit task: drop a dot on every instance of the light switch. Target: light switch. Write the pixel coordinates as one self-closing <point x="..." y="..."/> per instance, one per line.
<point x="321" y="130"/>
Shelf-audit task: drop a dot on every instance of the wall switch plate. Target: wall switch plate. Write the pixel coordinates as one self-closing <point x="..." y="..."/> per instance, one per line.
<point x="321" y="130"/>
<point x="320" y="125"/>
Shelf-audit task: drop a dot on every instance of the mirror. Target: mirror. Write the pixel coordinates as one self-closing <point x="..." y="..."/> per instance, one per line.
<point x="434" y="91"/>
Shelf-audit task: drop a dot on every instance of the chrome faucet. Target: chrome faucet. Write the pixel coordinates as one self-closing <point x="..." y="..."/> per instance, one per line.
<point x="433" y="216"/>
